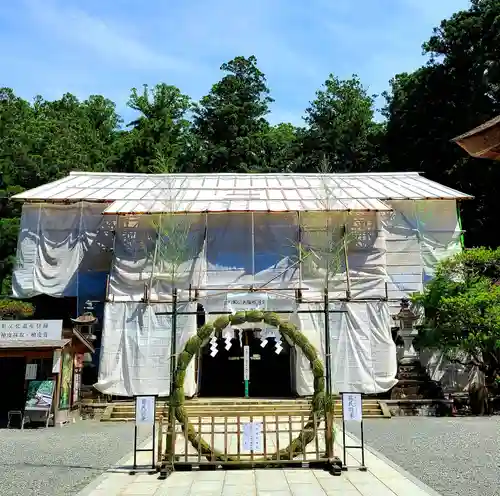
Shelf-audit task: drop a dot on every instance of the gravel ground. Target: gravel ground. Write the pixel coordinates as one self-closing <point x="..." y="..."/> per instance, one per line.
<point x="454" y="456"/>
<point x="60" y="461"/>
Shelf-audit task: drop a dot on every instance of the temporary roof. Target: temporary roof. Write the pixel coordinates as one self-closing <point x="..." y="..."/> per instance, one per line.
<point x="161" y="193"/>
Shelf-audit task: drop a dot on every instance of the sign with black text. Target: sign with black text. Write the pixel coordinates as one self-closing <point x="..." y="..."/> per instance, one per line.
<point x="246" y="363"/>
<point x="29" y="330"/>
<point x="352" y="407"/>
<point x="252" y="436"/>
<point x="31" y="369"/>
<point x="241" y="302"/>
<point x="145" y="410"/>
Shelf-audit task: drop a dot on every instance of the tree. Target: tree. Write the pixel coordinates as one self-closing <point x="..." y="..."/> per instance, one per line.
<point x="341" y="127"/>
<point x="42" y="142"/>
<point x="462" y="312"/>
<point x="159" y="137"/>
<point x="282" y="146"/>
<point x="453" y="93"/>
<point x="230" y="120"/>
<point x="470" y="43"/>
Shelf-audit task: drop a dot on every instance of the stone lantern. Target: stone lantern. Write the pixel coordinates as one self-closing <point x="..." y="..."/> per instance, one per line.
<point x="406" y="319"/>
<point x="86" y="322"/>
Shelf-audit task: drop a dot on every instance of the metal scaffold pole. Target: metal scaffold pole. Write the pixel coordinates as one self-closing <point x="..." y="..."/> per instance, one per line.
<point x="328" y="377"/>
<point x="170" y="444"/>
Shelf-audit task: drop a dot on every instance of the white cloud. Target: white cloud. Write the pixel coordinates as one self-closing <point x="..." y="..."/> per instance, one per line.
<point x="99" y="46"/>
<point x="105" y="39"/>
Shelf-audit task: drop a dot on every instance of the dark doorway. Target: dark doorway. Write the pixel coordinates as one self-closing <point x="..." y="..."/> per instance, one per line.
<point x="222" y="374"/>
<point x="12" y="369"/>
<point x="270" y="373"/>
<point x="270" y="377"/>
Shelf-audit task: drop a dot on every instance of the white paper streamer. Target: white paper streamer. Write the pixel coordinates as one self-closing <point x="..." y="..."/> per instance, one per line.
<point x="213" y="346"/>
<point x="265" y="334"/>
<point x="228" y="335"/>
<point x="278" y="348"/>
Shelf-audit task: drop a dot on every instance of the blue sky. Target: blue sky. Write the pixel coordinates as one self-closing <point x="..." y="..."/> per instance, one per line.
<point x="108" y="46"/>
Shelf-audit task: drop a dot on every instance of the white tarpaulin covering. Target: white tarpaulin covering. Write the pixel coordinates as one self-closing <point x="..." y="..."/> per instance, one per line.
<point x="63" y="250"/>
<point x="418" y="235"/>
<point x="363" y="354"/>
<point x="324" y="251"/>
<point x="69" y="250"/>
<point x="245" y="249"/>
<point x="136" y="349"/>
<point x="143" y="255"/>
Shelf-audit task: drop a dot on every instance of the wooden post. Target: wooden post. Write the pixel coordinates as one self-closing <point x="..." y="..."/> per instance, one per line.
<point x="329" y="434"/>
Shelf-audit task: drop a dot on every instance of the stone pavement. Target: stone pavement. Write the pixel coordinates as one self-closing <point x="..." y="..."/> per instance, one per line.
<point x="382" y="479"/>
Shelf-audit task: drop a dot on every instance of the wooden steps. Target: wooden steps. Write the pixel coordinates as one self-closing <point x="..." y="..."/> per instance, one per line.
<point x="204" y="407"/>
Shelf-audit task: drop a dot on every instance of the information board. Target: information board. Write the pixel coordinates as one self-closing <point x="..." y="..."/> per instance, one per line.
<point x="352" y="407"/>
<point x="145" y="410"/>
<point x="246" y="363"/>
<point x="31" y="369"/>
<point x="252" y="436"/>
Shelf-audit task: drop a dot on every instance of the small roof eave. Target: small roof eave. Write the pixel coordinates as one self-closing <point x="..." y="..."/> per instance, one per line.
<point x="83" y="340"/>
<point x="478" y="129"/>
<point x="35" y="344"/>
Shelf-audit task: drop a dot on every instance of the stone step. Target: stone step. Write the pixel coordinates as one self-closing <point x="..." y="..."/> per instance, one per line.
<point x="131" y="419"/>
<point x="240" y="408"/>
<point x="256" y="412"/>
<point x="121" y="412"/>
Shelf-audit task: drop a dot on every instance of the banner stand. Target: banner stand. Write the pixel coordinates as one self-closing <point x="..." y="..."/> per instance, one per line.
<point x="145" y="414"/>
<point x="352" y="411"/>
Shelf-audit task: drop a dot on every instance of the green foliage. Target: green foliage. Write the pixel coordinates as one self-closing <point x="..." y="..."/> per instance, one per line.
<point x="173" y="246"/>
<point x="227" y="130"/>
<point x="341" y="128"/>
<point x="15" y="309"/>
<point x="462" y="310"/>
<point x="230" y="120"/>
<point x="159" y="137"/>
<point x="455" y="92"/>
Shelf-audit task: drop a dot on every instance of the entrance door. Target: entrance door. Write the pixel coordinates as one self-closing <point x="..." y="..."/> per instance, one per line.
<point x="12" y="369"/>
<point x="222" y="375"/>
<point x="270" y="375"/>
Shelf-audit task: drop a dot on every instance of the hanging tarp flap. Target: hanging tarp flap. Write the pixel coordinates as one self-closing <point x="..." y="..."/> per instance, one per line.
<point x="63" y="250"/>
<point x="252" y="249"/>
<point x="136" y="348"/>
<point x="363" y="354"/>
<point x="419" y="234"/>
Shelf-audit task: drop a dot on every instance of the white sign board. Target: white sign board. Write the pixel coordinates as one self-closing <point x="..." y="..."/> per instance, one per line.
<point x="145" y="410"/>
<point x="31" y="369"/>
<point x="352" y="407"/>
<point x="252" y="436"/>
<point x="246" y="363"/>
<point x="246" y="301"/>
<point x="30" y="330"/>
